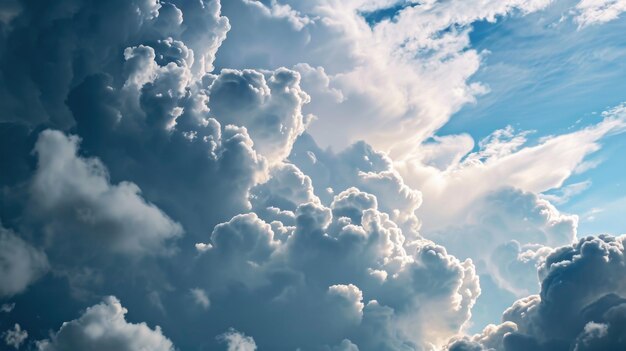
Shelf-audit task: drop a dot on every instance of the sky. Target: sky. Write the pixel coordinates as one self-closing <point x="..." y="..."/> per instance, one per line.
<point x="313" y="175"/>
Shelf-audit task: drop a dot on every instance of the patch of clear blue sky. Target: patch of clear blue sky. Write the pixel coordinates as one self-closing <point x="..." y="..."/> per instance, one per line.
<point x="547" y="75"/>
<point x="387" y="13"/>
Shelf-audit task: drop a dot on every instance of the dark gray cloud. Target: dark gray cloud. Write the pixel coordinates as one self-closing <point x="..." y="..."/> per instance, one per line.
<point x="580" y="306"/>
<point x="71" y="34"/>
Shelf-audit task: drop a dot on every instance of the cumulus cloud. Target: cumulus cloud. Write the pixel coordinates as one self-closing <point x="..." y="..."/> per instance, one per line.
<point x="20" y="265"/>
<point x="580" y="306"/>
<point x="269" y="107"/>
<point x="281" y="11"/>
<point x="237" y="341"/>
<point x="361" y="166"/>
<point x="351" y="299"/>
<point x="508" y="233"/>
<point x="104" y="327"/>
<point x="412" y="283"/>
<point x="227" y="129"/>
<point x="76" y="51"/>
<point x="76" y="200"/>
<point x="165" y="123"/>
<point x="416" y="63"/>
<point x="15" y="337"/>
<point x="278" y="198"/>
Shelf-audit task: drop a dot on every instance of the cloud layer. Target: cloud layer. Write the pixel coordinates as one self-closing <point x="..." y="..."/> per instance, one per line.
<point x="273" y="175"/>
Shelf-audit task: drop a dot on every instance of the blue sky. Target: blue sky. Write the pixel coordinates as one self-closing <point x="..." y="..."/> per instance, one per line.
<point x="548" y="76"/>
<point x="314" y="175"/>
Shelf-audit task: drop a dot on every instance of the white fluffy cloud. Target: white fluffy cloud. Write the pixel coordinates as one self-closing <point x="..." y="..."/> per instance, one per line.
<point x="396" y="82"/>
<point x="414" y="290"/>
<point x="580" y="307"/>
<point x="20" y="264"/>
<point x="237" y="341"/>
<point x="361" y="166"/>
<point x="269" y="107"/>
<point x="589" y="12"/>
<point x="104" y="327"/>
<point x="15" y="337"/>
<point x="508" y="232"/>
<point x="75" y="199"/>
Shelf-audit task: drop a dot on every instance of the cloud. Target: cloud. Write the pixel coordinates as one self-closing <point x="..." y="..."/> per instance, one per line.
<point x="507" y="234"/>
<point x="165" y="123"/>
<point x="104" y="327"/>
<point x="237" y="341"/>
<point x="75" y="199"/>
<point x="417" y="65"/>
<point x="15" y="337"/>
<point x="580" y="305"/>
<point x="590" y="12"/>
<point x="286" y="188"/>
<point x="200" y="297"/>
<point x="564" y="194"/>
<point x="504" y="160"/>
<point x="281" y="11"/>
<point x="302" y="269"/>
<point x="345" y="345"/>
<point x="7" y="307"/>
<point x="269" y="107"/>
<point x="20" y="265"/>
<point x="361" y="166"/>
<point x="75" y="49"/>
<point x="232" y="127"/>
<point x="351" y="299"/>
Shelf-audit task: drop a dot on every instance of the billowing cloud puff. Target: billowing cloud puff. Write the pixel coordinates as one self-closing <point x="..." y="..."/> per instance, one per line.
<point x="104" y="327"/>
<point x="243" y="246"/>
<point x="75" y="200"/>
<point x="351" y="299"/>
<point x="15" y="337"/>
<point x="237" y="341"/>
<point x="353" y="266"/>
<point x="398" y="76"/>
<point x="508" y="233"/>
<point x="269" y="106"/>
<point x="279" y="197"/>
<point x="580" y="306"/>
<point x="41" y="84"/>
<point x="228" y="128"/>
<point x="20" y="264"/>
<point x="365" y="168"/>
<point x="7" y="307"/>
